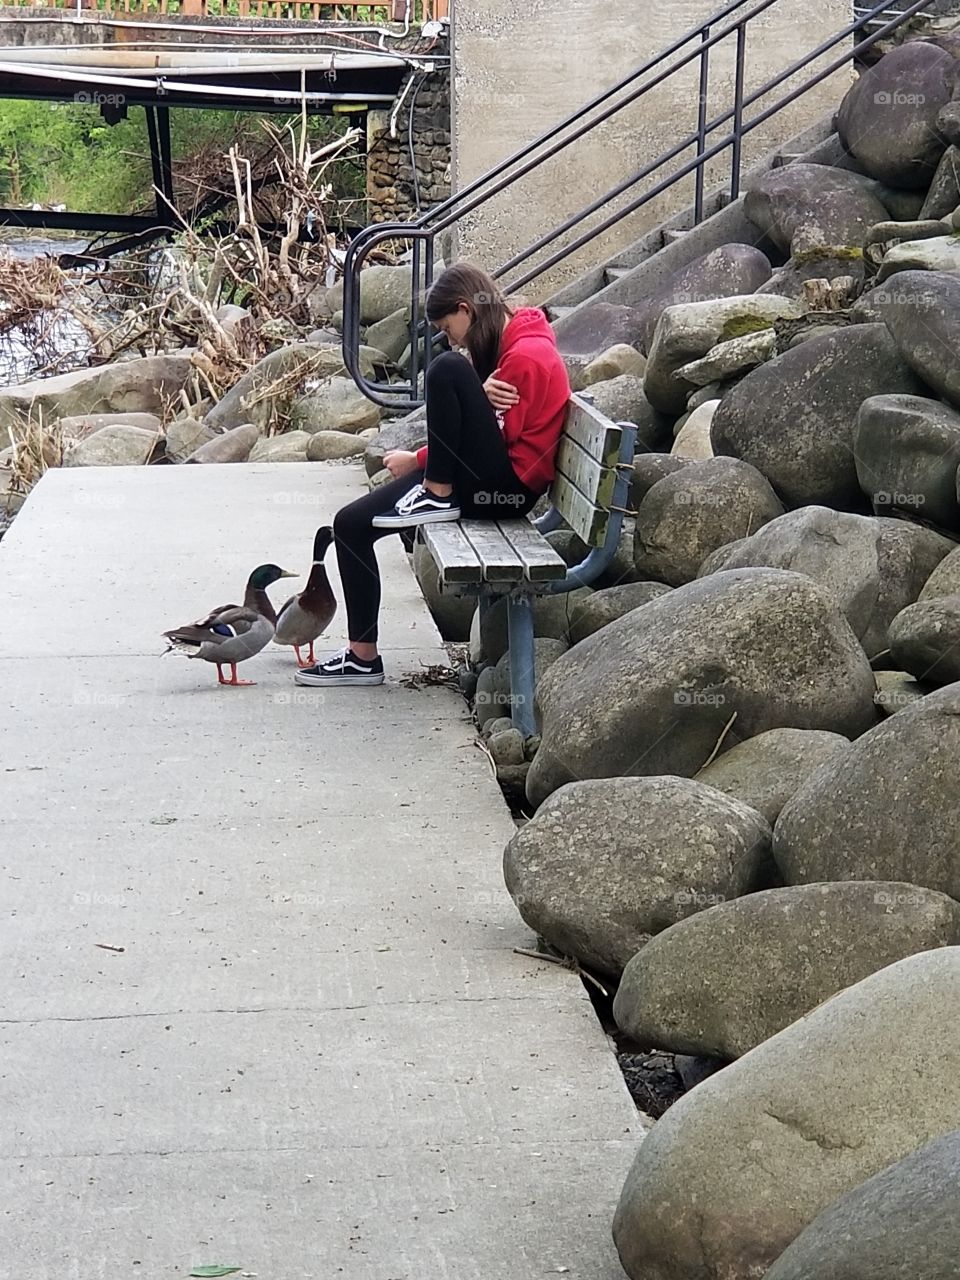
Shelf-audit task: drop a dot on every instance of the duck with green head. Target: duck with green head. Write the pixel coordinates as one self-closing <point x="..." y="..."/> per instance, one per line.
<point x="305" y="617"/>
<point x="232" y="633"/>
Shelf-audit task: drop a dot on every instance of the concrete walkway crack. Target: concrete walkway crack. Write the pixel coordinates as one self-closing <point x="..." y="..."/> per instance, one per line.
<point x="315" y="1010"/>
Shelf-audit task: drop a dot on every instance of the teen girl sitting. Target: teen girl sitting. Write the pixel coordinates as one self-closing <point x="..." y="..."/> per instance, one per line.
<point x="493" y="425"/>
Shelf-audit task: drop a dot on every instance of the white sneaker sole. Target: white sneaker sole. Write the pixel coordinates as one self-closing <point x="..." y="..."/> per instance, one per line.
<point x="347" y="678"/>
<point x="410" y="522"/>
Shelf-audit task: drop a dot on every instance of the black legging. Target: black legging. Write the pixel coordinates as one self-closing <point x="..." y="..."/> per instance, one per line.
<point x="465" y="448"/>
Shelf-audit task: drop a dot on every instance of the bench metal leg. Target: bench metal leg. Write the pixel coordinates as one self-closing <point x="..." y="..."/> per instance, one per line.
<point x="520" y="638"/>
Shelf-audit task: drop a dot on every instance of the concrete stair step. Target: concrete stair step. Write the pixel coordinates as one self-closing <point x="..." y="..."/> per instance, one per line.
<point x="672" y="234"/>
<point x="786" y="157"/>
<point x="612" y="274"/>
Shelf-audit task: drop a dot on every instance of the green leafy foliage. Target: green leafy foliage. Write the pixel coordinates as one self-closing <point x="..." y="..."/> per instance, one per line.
<point x="66" y="153"/>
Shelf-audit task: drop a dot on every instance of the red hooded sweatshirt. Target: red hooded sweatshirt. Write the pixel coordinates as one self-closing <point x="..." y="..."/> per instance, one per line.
<point x="529" y="360"/>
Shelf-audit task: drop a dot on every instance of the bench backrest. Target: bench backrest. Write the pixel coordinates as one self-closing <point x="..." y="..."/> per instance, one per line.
<point x="586" y="464"/>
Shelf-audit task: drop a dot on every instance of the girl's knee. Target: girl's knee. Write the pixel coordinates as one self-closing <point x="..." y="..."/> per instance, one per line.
<point x="349" y="524"/>
<point x="446" y="365"/>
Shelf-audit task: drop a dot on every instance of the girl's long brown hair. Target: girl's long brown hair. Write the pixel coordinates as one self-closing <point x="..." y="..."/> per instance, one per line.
<point x="463" y="282"/>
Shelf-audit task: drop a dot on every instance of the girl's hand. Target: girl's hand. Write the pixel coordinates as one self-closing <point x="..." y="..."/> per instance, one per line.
<point x="400" y="462"/>
<point x="502" y="395"/>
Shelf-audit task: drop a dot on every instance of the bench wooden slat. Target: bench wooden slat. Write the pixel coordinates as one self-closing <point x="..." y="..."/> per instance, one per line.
<point x="452" y="553"/>
<point x="584" y="517"/>
<point x="540" y="562"/>
<point x="594" y="480"/>
<point x="499" y="561"/>
<point x="594" y="432"/>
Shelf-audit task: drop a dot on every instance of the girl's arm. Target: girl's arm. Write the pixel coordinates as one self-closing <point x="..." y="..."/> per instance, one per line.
<point x="524" y="376"/>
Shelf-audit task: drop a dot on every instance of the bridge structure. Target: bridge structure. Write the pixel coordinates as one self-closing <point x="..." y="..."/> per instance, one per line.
<point x="260" y="56"/>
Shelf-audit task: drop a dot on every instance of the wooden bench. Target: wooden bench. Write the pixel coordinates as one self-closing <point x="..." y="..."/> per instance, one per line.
<point x="511" y="557"/>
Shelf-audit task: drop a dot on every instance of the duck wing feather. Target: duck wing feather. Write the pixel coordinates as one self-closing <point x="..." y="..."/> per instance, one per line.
<point x="222" y="625"/>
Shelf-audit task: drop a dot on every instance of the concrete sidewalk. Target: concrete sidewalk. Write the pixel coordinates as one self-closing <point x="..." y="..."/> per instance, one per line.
<point x="259" y="1000"/>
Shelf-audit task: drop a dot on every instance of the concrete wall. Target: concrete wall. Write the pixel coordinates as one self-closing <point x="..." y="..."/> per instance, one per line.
<point x="520" y="66"/>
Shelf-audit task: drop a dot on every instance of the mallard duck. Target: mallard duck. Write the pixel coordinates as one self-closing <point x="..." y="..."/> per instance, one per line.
<point x="232" y="633"/>
<point x="306" y="616"/>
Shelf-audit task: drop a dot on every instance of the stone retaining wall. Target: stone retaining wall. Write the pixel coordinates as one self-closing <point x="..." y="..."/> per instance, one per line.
<point x="392" y="192"/>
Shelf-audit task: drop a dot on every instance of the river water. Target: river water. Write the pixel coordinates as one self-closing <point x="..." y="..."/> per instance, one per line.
<point x="18" y="361"/>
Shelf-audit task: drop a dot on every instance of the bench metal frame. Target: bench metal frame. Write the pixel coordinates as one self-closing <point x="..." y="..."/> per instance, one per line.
<point x="522" y="590"/>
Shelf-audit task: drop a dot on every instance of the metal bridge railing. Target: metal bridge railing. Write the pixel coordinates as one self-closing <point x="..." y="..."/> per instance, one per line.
<point x="361" y="11"/>
<point x="710" y="137"/>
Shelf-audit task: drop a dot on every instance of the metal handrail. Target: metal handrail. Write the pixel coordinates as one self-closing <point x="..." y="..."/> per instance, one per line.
<point x="423" y="230"/>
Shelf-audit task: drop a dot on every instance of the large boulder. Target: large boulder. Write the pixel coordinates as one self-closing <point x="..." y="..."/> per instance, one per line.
<point x="888" y="118"/>
<point x="815" y="264"/>
<point x="925" y="640"/>
<point x="812" y="206"/>
<point x="84" y="424"/>
<point x="598" y="890"/>
<point x="621" y="569"/>
<point x="232" y="446"/>
<point x="184" y="436"/>
<point x="902" y="205"/>
<point x="324" y="446"/>
<point x="392" y="334"/>
<point x="900" y="1223"/>
<point x="725" y="272"/>
<point x="598" y="608"/>
<point x="336" y="405"/>
<point x="731" y="1174"/>
<point x="112" y="447"/>
<point x="622" y="399"/>
<point x="945" y="579"/>
<point x="907" y="451"/>
<point x="384" y="290"/>
<point x="896" y="690"/>
<point x="616" y="360"/>
<point x="264" y="392"/>
<point x="723" y="981"/>
<point x="687" y="331"/>
<point x="765" y="771"/>
<point x="696" y="510"/>
<point x="730" y="359"/>
<point x="717" y="560"/>
<point x="451" y="613"/>
<point x="886" y="809"/>
<point x="939" y="253"/>
<point x="551" y="620"/>
<point x="494" y="697"/>
<point x="408" y="432"/>
<point x="595" y="327"/>
<point x="655" y="690"/>
<point x="648" y="468"/>
<point x="807" y="453"/>
<point x="873" y="567"/>
<point x="694" y="440"/>
<point x="948" y="123"/>
<point x="943" y="194"/>
<point x="922" y="311"/>
<point x="291" y="446"/>
<point x="144" y="385"/>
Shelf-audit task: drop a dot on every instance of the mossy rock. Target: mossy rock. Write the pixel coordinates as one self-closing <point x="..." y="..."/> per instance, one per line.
<point x="828" y="252"/>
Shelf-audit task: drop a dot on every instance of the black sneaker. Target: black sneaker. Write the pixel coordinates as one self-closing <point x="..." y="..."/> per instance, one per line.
<point x="342" y="668"/>
<point x="418" y="506"/>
